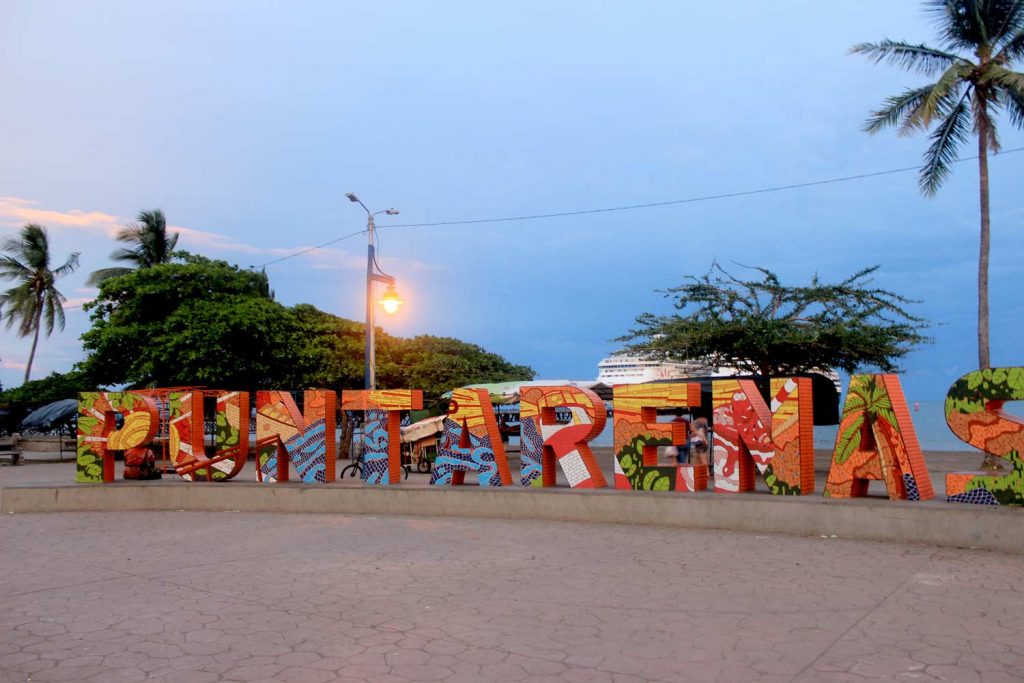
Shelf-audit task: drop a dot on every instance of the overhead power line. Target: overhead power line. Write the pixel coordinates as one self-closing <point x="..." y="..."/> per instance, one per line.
<point x="627" y="207"/>
<point x="673" y="202"/>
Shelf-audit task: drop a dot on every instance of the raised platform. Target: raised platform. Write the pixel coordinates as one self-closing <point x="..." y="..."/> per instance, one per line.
<point x="931" y="522"/>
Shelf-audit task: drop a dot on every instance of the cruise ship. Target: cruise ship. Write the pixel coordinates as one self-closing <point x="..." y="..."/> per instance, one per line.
<point x="623" y="368"/>
<point x="626" y="368"/>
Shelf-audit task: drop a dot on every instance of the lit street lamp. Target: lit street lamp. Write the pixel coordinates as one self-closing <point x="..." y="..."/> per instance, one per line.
<point x="390" y="301"/>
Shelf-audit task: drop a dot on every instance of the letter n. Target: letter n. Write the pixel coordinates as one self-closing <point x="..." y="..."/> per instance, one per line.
<point x="99" y="437"/>
<point x="545" y="440"/>
<point x="638" y="435"/>
<point x="877" y="441"/>
<point x="471" y="442"/>
<point x="778" y="442"/>
<point x="974" y="411"/>
<point x="305" y="439"/>
<point x="382" y="455"/>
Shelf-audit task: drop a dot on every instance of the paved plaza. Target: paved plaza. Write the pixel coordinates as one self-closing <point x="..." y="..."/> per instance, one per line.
<point x="182" y="596"/>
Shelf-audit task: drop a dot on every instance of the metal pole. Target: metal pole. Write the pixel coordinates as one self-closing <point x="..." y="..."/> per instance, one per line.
<point x="370" y="370"/>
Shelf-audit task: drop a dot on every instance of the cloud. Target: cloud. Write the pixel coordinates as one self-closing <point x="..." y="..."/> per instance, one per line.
<point x="78" y="300"/>
<point x="12" y="365"/>
<point x="16" y="211"/>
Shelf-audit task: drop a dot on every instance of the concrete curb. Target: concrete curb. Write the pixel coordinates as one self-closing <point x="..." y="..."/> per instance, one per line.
<point x="931" y="523"/>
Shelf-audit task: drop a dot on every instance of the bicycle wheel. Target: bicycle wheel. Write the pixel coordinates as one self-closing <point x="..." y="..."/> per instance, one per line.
<point x="351" y="471"/>
<point x="423" y="466"/>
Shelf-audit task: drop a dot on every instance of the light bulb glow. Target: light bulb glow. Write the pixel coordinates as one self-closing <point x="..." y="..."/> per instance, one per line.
<point x="390" y="301"/>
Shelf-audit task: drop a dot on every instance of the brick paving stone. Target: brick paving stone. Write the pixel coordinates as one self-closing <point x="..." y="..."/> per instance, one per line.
<point x="317" y="598"/>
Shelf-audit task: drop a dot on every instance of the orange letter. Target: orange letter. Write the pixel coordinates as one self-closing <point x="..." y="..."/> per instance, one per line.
<point x="283" y="434"/>
<point x="471" y="442"/>
<point x="543" y="439"/>
<point x="187" y="447"/>
<point x="784" y="455"/>
<point x="638" y="435"/>
<point x="382" y="456"/>
<point x="876" y="440"/>
<point x="98" y="436"/>
<point x="974" y="411"/>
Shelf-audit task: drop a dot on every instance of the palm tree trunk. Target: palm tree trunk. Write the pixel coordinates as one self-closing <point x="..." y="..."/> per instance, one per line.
<point x="991" y="462"/>
<point x="983" y="346"/>
<point x="32" y="353"/>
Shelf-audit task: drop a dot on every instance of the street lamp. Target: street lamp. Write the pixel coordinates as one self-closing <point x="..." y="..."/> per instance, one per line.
<point x="390" y="301"/>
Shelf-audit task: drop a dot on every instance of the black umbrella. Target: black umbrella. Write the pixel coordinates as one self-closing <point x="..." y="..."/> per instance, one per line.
<point x="51" y="415"/>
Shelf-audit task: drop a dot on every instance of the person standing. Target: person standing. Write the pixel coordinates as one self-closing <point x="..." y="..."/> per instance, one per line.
<point x="699" y="442"/>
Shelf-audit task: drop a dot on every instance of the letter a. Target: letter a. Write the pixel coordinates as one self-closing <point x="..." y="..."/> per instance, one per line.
<point x="876" y="440"/>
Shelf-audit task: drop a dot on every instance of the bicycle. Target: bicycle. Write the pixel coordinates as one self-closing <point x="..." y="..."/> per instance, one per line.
<point x="356" y="468"/>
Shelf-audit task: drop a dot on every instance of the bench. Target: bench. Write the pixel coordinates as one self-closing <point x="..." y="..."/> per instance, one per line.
<point x="9" y="449"/>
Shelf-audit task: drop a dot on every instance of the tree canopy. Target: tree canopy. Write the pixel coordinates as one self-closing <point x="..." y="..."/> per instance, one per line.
<point x="766" y="328"/>
<point x="207" y="323"/>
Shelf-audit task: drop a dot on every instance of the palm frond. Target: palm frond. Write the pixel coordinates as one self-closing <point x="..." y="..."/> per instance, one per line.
<point x="975" y="23"/>
<point x="921" y="58"/>
<point x="1013" y="49"/>
<point x="54" y="310"/>
<point x="69" y="266"/>
<point x="941" y="98"/>
<point x="1015" y="106"/>
<point x="946" y="139"/>
<point x="12" y="269"/>
<point x="1004" y="78"/>
<point x="102" y="274"/>
<point x="895" y="108"/>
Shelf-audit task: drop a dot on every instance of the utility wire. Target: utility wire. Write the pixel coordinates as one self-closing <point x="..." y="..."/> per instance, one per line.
<point x="612" y="209"/>
<point x="630" y="207"/>
<point x="673" y="202"/>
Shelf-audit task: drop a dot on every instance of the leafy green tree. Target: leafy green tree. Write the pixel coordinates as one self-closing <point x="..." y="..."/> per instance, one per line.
<point x="53" y="387"/>
<point x="203" y="322"/>
<point x="150" y="243"/>
<point x="198" y="322"/>
<point x="34" y="301"/>
<point x="439" y="364"/>
<point x="21" y="400"/>
<point x="980" y="42"/>
<point x="766" y="328"/>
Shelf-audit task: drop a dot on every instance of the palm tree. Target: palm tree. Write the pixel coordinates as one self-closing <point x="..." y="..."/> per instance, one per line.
<point x="152" y="246"/>
<point x="34" y="300"/>
<point x="981" y="40"/>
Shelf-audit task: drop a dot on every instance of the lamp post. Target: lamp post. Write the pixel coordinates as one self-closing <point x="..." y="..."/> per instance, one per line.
<point x="389" y="301"/>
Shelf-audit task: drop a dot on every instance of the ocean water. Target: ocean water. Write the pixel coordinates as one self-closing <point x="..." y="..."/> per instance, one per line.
<point x="929" y="422"/>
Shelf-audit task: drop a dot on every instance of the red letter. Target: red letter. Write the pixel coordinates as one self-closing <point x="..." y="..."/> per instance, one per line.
<point x="543" y="439"/>
<point x="784" y="455"/>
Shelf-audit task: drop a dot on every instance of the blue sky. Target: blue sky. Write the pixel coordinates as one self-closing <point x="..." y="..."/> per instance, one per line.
<point x="246" y="122"/>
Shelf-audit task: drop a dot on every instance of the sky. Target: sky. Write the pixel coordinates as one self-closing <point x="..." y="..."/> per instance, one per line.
<point x="247" y="122"/>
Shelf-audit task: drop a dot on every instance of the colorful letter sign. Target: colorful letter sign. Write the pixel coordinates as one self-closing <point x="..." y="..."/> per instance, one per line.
<point x="99" y="437"/>
<point x="779" y="442"/>
<point x="186" y="445"/>
<point x="382" y="456"/>
<point x="974" y="411"/>
<point x="471" y="442"/>
<point x="545" y="439"/>
<point x="877" y="441"/>
<point x="306" y="439"/>
<point x="638" y="435"/>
